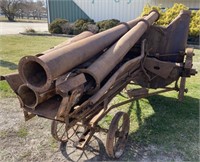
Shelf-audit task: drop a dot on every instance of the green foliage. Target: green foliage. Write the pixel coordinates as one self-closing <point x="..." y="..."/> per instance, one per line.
<point x="56" y="26"/>
<point x="81" y="22"/>
<point x="169" y="14"/>
<point x="81" y="25"/>
<point x="62" y="26"/>
<point x="30" y="30"/>
<point x="195" y="23"/>
<point x="14" y="47"/>
<point x="107" y="24"/>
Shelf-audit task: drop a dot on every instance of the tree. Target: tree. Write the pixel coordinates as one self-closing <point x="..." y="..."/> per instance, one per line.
<point x="34" y="9"/>
<point x="10" y="8"/>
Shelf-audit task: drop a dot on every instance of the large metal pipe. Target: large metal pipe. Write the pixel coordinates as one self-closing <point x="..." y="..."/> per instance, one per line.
<point x="30" y="98"/>
<point x="106" y="62"/>
<point x="82" y="35"/>
<point x="39" y="73"/>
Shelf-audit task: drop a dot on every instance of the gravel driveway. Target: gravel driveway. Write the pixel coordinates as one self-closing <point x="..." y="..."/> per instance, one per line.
<point x="32" y="141"/>
<point x="17" y="27"/>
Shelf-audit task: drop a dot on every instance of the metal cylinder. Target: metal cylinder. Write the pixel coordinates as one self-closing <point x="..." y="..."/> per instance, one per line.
<point x="74" y="39"/>
<point x="106" y="62"/>
<point x="30" y="98"/>
<point x="82" y="35"/>
<point x="40" y="72"/>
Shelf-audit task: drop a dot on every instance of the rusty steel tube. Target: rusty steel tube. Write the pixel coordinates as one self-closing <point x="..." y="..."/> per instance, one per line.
<point x="106" y="62"/>
<point x="80" y="36"/>
<point x="74" y="39"/>
<point x="30" y="98"/>
<point x="39" y="73"/>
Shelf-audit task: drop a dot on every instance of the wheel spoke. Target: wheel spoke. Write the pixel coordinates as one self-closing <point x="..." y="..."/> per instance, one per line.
<point x="120" y="127"/>
<point x="116" y="137"/>
<point x="60" y="128"/>
<point x="57" y="132"/>
<point x="63" y="135"/>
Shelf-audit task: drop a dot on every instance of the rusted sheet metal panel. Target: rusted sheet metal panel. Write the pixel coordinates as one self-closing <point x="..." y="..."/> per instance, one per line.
<point x="14" y="81"/>
<point x="67" y="85"/>
<point x="47" y="109"/>
<point x="163" y="41"/>
<point x="137" y="92"/>
<point x="158" y="67"/>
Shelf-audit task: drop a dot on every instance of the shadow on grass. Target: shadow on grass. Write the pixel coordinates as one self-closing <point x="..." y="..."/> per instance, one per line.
<point x="172" y="131"/>
<point x="169" y="134"/>
<point x="10" y="65"/>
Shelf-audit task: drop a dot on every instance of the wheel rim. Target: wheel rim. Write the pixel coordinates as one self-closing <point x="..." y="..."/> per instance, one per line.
<point x="61" y="132"/>
<point x="117" y="135"/>
<point x="58" y="131"/>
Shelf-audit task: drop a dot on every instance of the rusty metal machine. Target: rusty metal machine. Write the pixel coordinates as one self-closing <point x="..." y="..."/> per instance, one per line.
<point x="73" y="83"/>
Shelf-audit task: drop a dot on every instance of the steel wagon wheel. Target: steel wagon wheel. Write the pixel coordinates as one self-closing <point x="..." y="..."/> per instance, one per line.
<point x="182" y="89"/>
<point x="58" y="131"/>
<point x="117" y="135"/>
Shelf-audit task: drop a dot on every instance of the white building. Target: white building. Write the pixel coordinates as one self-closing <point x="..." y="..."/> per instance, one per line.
<point x="98" y="10"/>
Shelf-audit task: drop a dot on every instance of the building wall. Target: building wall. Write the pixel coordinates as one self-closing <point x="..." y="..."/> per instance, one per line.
<point x="193" y="4"/>
<point x="66" y="9"/>
<point x="123" y="10"/>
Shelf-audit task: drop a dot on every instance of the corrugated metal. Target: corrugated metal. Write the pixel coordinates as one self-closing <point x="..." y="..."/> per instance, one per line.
<point x="123" y="10"/>
<point x="65" y="9"/>
<point x="170" y="3"/>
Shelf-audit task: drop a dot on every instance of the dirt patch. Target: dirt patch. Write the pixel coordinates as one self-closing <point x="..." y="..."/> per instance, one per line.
<point x="32" y="141"/>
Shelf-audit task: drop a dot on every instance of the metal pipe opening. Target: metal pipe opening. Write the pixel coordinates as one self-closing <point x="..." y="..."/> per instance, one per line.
<point x="27" y="96"/>
<point x="35" y="74"/>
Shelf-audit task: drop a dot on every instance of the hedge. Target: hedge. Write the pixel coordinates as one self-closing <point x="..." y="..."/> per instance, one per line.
<point x="62" y="26"/>
<point x="56" y="26"/>
<point x="169" y="14"/>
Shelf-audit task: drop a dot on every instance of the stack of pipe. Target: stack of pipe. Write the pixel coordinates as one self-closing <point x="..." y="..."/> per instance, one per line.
<point x="42" y="74"/>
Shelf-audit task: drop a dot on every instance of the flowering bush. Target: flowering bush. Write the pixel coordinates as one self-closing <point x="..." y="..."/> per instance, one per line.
<point x="169" y="14"/>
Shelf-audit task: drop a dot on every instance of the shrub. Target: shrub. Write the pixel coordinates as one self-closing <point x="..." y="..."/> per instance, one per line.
<point x="81" y="25"/>
<point x="93" y="28"/>
<point x="56" y="26"/>
<point x="30" y="30"/>
<point x="169" y="14"/>
<point x="67" y="28"/>
<point x="107" y="24"/>
<point x="195" y="24"/>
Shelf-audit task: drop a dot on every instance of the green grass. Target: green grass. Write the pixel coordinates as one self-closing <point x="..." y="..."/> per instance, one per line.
<point x="164" y="122"/>
<point x="14" y="47"/>
<point x="25" y="20"/>
<point x="169" y="125"/>
<point x="159" y="121"/>
<point x="22" y="132"/>
<point x="53" y="143"/>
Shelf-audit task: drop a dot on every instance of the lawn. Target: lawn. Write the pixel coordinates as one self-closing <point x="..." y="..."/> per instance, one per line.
<point x="170" y="129"/>
<point x="160" y="123"/>
<point x="14" y="47"/>
<point x="24" y="20"/>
